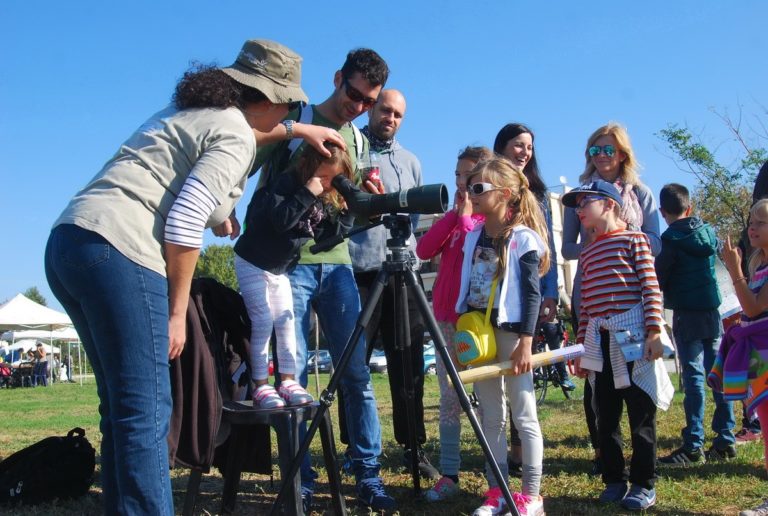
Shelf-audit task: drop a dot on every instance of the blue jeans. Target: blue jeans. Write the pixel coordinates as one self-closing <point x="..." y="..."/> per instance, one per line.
<point x="332" y="290"/>
<point x="696" y="359"/>
<point x="120" y="311"/>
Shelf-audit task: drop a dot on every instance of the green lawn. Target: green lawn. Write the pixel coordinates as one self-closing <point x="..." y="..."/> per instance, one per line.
<point x="31" y="414"/>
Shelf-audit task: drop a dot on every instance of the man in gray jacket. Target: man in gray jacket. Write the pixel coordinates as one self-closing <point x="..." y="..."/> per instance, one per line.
<point x="399" y="170"/>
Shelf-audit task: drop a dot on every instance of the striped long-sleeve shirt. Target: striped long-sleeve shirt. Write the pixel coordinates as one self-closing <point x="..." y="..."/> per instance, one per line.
<point x="618" y="273"/>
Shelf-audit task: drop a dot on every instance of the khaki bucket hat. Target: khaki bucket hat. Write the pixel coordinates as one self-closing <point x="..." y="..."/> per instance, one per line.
<point x="271" y="68"/>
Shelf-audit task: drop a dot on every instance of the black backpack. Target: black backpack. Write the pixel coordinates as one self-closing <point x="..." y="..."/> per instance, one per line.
<point x="56" y="467"/>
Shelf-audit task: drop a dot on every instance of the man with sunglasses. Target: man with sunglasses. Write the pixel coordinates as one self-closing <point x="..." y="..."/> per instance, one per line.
<point x="325" y="281"/>
<point x="399" y="170"/>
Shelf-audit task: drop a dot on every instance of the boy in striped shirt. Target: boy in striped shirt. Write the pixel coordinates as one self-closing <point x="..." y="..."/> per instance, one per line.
<point x="619" y="324"/>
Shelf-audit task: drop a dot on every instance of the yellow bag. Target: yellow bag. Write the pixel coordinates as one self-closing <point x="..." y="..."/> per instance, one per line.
<point x="475" y="342"/>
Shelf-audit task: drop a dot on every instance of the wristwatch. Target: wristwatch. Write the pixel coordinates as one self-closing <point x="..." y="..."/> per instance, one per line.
<point x="288" y="129"/>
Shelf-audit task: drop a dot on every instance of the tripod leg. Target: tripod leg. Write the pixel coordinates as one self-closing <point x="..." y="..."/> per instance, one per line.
<point x="327" y="396"/>
<point x="437" y="336"/>
<point x="403" y="345"/>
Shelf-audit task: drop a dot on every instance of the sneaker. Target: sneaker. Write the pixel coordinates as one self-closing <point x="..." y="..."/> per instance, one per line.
<point x="293" y="393"/>
<point x="370" y="491"/>
<point x="444" y="489"/>
<point x="639" y="498"/>
<point x="568" y="385"/>
<point x="745" y="435"/>
<point x="715" y="454"/>
<point x="528" y="505"/>
<point x="266" y="397"/>
<point x="613" y="492"/>
<point x="681" y="458"/>
<point x="493" y="504"/>
<point x="760" y="510"/>
<point x="426" y="469"/>
<point x="306" y="498"/>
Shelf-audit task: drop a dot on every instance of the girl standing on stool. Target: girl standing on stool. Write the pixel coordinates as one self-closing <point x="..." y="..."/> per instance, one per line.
<point x="301" y="205"/>
<point x="511" y="248"/>
<point x="446" y="238"/>
<point x="741" y="366"/>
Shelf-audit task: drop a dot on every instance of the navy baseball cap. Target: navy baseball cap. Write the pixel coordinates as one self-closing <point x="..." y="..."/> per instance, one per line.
<point x="599" y="187"/>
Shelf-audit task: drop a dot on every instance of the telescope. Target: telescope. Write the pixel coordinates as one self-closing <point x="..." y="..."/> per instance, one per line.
<point x="422" y="199"/>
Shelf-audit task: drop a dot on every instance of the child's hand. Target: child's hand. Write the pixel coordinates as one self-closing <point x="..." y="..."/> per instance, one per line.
<point x="577" y="370"/>
<point x="653" y="347"/>
<point x="732" y="258"/>
<point x="463" y="206"/>
<point x="521" y="356"/>
<point x="314" y="185"/>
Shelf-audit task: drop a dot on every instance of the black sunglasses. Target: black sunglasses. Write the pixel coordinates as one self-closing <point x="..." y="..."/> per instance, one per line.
<point x="292" y="106"/>
<point x="355" y="95"/>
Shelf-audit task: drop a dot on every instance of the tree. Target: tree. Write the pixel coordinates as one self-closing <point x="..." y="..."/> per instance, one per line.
<point x="34" y="294"/>
<point x="723" y="193"/>
<point x="218" y="262"/>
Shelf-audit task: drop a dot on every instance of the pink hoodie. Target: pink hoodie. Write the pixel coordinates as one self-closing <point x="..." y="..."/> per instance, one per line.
<point x="447" y="236"/>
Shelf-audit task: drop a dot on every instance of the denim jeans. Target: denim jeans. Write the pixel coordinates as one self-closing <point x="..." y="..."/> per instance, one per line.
<point x="332" y="290"/>
<point x="120" y="311"/>
<point x="696" y="359"/>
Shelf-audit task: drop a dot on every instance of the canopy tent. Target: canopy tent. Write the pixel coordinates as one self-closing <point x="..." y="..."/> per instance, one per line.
<point x="21" y="313"/>
<point x="65" y="334"/>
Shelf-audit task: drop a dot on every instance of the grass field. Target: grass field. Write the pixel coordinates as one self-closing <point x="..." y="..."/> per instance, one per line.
<point x="31" y="414"/>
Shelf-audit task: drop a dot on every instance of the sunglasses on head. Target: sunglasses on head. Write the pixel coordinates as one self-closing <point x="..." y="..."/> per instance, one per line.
<point x="480" y="188"/>
<point x="608" y="150"/>
<point x="355" y="95"/>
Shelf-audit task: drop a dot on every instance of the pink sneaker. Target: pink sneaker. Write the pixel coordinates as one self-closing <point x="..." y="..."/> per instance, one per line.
<point x="267" y="397"/>
<point x="493" y="504"/>
<point x="293" y="393"/>
<point x="444" y="489"/>
<point x="528" y="505"/>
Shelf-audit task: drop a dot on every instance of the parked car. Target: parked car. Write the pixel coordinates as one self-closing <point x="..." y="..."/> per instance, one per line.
<point x="324" y="363"/>
<point x="378" y="362"/>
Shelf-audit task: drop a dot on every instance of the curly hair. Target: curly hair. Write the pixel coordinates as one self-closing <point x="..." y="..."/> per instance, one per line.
<point x="206" y="86"/>
<point x="531" y="170"/>
<point x="370" y="65"/>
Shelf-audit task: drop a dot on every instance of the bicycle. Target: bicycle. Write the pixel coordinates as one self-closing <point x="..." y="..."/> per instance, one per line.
<point x="546" y="375"/>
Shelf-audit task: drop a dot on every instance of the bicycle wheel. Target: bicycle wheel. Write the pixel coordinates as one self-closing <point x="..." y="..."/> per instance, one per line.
<point x="540" y="381"/>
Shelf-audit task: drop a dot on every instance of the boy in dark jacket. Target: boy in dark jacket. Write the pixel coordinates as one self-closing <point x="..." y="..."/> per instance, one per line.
<point x="686" y="273"/>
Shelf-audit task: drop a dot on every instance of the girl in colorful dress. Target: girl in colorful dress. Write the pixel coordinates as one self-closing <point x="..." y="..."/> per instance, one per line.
<point x="741" y="366"/>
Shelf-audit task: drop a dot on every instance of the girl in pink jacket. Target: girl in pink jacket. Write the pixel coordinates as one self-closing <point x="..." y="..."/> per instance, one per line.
<point x="446" y="237"/>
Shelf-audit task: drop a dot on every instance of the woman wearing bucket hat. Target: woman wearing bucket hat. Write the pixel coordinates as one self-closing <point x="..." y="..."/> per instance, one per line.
<point x="120" y="258"/>
<point x="609" y="157"/>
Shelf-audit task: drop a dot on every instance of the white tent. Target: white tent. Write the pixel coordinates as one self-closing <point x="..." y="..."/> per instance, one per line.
<point x="21" y="313"/>
<point x="65" y="334"/>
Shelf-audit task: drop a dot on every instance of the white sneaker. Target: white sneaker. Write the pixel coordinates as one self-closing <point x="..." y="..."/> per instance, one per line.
<point x="493" y="504"/>
<point x="293" y="393"/>
<point x="760" y="510"/>
<point x="444" y="489"/>
<point x="528" y="505"/>
<point x="267" y="397"/>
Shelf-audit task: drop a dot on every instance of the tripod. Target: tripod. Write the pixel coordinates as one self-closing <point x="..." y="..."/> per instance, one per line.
<point x="397" y="265"/>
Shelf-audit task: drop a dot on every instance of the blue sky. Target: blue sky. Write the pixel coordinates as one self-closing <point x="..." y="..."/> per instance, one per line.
<point x="81" y="76"/>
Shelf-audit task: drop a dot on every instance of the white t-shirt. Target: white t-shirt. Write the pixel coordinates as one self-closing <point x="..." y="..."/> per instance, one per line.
<point x="128" y="201"/>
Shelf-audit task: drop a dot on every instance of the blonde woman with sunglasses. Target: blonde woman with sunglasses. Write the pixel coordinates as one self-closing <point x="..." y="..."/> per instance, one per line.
<point x="609" y="157"/>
